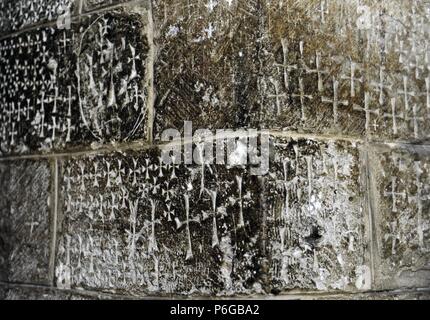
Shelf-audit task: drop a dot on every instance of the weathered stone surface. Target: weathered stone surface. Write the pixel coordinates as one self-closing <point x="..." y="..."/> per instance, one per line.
<point x="111" y="67"/>
<point x="387" y="295"/>
<point x="4" y="223"/>
<point x="26" y="216"/>
<point x="339" y="67"/>
<point x="134" y="225"/>
<point x="316" y="219"/>
<point x="89" y="5"/>
<point x="19" y="14"/>
<point x="205" y="68"/>
<point x="40" y="293"/>
<point x="401" y="204"/>
<point x="342" y="86"/>
<point x="3" y="290"/>
<point x="64" y="88"/>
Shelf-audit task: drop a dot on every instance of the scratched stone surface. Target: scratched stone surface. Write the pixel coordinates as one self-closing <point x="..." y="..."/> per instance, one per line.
<point x="63" y="88"/>
<point x="90" y="5"/>
<point x="19" y="14"/>
<point x="4" y="224"/>
<point x="336" y="67"/>
<point x="205" y="69"/>
<point x="343" y="87"/>
<point x="316" y="218"/>
<point x="134" y="225"/>
<point x="31" y="293"/>
<point x="401" y="184"/>
<point x="25" y="215"/>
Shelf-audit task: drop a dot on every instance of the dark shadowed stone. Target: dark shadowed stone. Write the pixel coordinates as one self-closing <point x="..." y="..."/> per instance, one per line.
<point x="134" y="225"/>
<point x="315" y="217"/>
<point x="64" y="88"/>
<point x="4" y="222"/>
<point x="206" y="66"/>
<point x="26" y="207"/>
<point x="39" y="293"/>
<point x="3" y="291"/>
<point x="111" y="61"/>
<point x="401" y="204"/>
<point x="19" y="14"/>
<point x="334" y="67"/>
<point x="37" y="91"/>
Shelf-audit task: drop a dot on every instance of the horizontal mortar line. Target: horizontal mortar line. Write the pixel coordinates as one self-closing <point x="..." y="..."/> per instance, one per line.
<point x="286" y="295"/>
<point x="74" y="19"/>
<point x="112" y="6"/>
<point x="133" y="146"/>
<point x="314" y="136"/>
<point x="363" y="140"/>
<point x="425" y="146"/>
<point x="33" y="27"/>
<point x="141" y="145"/>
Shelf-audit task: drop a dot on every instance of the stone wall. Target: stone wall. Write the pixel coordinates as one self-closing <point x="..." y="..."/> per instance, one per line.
<point x="88" y="209"/>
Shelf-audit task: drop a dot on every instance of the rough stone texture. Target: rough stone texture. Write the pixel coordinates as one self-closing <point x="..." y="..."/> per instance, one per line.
<point x="111" y="67"/>
<point x="393" y="295"/>
<point x="205" y="68"/>
<point x="90" y="5"/>
<point x="333" y="67"/>
<point x="3" y="291"/>
<point x="26" y="215"/>
<point x="316" y="217"/>
<point x="139" y="235"/>
<point x="401" y="203"/>
<point x="19" y="14"/>
<point x="40" y="293"/>
<point x="86" y="85"/>
<point x="342" y="86"/>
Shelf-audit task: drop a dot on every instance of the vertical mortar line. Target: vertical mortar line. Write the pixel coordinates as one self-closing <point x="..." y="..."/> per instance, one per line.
<point x="264" y="264"/>
<point x="149" y="81"/>
<point x="81" y="6"/>
<point x="54" y="217"/>
<point x="370" y="213"/>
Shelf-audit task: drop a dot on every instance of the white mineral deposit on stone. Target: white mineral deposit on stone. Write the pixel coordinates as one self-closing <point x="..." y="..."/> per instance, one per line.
<point x="363" y="281"/>
<point x="239" y="156"/>
<point x="227" y="263"/>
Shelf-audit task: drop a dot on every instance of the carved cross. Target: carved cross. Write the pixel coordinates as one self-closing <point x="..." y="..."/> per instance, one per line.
<point x="335" y="100"/>
<point x="367" y="109"/>
<point x="394" y="194"/>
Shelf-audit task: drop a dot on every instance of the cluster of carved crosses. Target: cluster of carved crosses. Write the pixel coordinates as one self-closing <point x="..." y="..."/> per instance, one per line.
<point x="17" y="14"/>
<point x="60" y="88"/>
<point x="407" y="195"/>
<point x="141" y="195"/>
<point x="395" y="99"/>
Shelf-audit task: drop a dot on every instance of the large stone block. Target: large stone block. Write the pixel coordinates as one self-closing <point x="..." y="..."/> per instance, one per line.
<point x="66" y="88"/>
<point x="26" y="221"/>
<point x="19" y="14"/>
<point x="400" y="190"/>
<point x="134" y="225"/>
<point x="206" y="64"/>
<point x="316" y="222"/>
<point x="112" y="82"/>
<point x="339" y="67"/>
